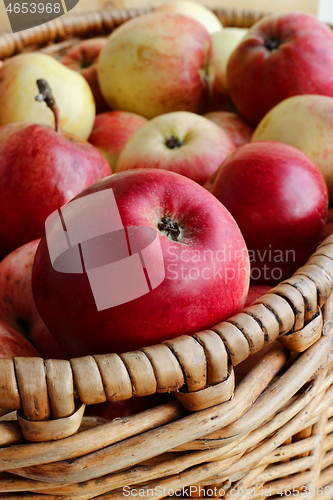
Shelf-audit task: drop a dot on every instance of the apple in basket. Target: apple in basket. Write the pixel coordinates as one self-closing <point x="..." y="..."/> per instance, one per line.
<point x="83" y="58"/>
<point x="306" y="122"/>
<point x="281" y="56"/>
<point x="279" y="199"/>
<point x="157" y="63"/>
<point x="40" y="170"/>
<point x="17" y="305"/>
<point x="182" y="142"/>
<point x="236" y="127"/>
<point x="13" y="343"/>
<point x="161" y="257"/>
<point x="111" y="132"/>
<point x="18" y="77"/>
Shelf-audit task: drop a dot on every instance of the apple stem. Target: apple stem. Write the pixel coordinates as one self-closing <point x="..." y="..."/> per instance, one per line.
<point x="169" y="227"/>
<point x="45" y="94"/>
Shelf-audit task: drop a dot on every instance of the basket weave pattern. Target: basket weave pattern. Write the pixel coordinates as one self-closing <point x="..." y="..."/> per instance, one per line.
<point x="264" y="436"/>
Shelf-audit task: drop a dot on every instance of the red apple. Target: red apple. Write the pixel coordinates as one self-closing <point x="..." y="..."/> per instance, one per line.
<point x="12" y="343"/>
<point x="234" y="125"/>
<point x="17" y="305"/>
<point x="111" y="132"/>
<point x="40" y="170"/>
<point x="328" y="228"/>
<point x="279" y="200"/>
<point x="157" y="63"/>
<point x="281" y="56"/>
<point x="83" y="58"/>
<point x="182" y="142"/>
<point x="194" y="256"/>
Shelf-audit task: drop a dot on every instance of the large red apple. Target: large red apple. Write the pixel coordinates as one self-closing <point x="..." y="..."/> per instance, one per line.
<point x="12" y="343"/>
<point x="40" y="170"/>
<point x="279" y="199"/>
<point x="157" y="63"/>
<point x="17" y="305"/>
<point x="194" y="256"/>
<point x="182" y="142"/>
<point x="83" y="58"/>
<point x="111" y="132"/>
<point x="234" y="125"/>
<point x="281" y="56"/>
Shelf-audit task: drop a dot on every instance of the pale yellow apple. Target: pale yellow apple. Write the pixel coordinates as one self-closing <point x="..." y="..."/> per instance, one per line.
<point x="306" y="122"/>
<point x="224" y="43"/>
<point x="157" y="63"/>
<point x="71" y="91"/>
<point x="194" y="10"/>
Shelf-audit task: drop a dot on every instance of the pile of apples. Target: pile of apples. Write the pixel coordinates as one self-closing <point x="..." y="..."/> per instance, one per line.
<point x="219" y="139"/>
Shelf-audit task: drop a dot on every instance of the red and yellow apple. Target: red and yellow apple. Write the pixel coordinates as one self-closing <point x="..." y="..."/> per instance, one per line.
<point x="111" y="132"/>
<point x="40" y="170"/>
<point x="83" y="58"/>
<point x="182" y="142"/>
<point x="238" y="129"/>
<point x="281" y="56"/>
<point x="18" y="89"/>
<point x="14" y="344"/>
<point x="198" y="269"/>
<point x="157" y="63"/>
<point x="306" y="122"/>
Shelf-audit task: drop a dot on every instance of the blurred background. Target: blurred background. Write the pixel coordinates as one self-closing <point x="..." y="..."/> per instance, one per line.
<point x="321" y="8"/>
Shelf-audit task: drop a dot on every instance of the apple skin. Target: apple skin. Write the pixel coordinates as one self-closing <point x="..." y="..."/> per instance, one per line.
<point x="184" y="303"/>
<point x="224" y="43"/>
<point x="17" y="305"/>
<point x="157" y="63"/>
<point x="40" y="170"/>
<point x="261" y="73"/>
<point x="238" y="129"/>
<point x="13" y="344"/>
<point x="111" y="132"/>
<point x="279" y="200"/>
<point x="306" y="122"/>
<point x="83" y="58"/>
<point x="201" y="149"/>
<point x="194" y="10"/>
<point x="72" y="93"/>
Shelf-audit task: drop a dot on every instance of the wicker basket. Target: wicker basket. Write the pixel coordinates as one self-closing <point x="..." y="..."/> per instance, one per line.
<point x="271" y="434"/>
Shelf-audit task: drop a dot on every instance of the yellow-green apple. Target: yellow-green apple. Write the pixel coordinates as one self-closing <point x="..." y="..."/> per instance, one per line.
<point x="195" y="11"/>
<point x="14" y="344"/>
<point x="17" y="305"/>
<point x="281" y="56"/>
<point x="279" y="199"/>
<point x="111" y="132"/>
<point x="193" y="274"/>
<point x="40" y="170"/>
<point x="18" y="77"/>
<point x="224" y="43"/>
<point x="157" y="63"/>
<point x="306" y="122"/>
<point x="182" y="142"/>
<point x="83" y="58"/>
<point x="239" y="129"/>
